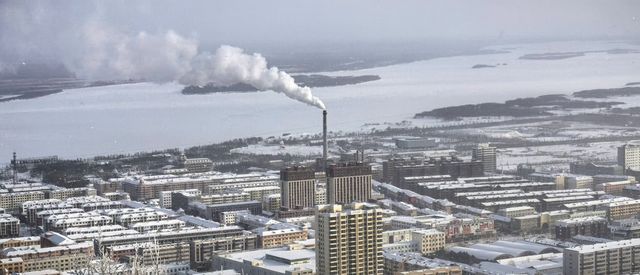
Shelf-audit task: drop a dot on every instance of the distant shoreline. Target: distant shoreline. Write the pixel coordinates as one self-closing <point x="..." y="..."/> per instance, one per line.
<point x="312" y="80"/>
<point x="533" y="106"/>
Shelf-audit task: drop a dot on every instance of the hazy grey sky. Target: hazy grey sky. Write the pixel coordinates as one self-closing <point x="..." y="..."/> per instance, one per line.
<point x="58" y="28"/>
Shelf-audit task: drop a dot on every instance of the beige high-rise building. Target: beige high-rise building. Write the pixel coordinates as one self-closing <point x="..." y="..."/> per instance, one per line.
<point x="487" y="155"/>
<point x="297" y="187"/>
<point x="348" y="182"/>
<point x="349" y="239"/>
<point x="629" y="155"/>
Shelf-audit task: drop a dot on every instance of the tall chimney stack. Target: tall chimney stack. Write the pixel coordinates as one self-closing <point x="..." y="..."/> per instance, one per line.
<point x="324" y="139"/>
<point x="14" y="168"/>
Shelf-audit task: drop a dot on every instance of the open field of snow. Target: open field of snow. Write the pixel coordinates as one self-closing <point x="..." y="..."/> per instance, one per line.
<point x="296" y="150"/>
<point x="146" y="116"/>
<point x="558" y="156"/>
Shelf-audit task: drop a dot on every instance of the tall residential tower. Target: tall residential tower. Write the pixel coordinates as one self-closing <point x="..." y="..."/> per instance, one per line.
<point x="487" y="155"/>
<point x="348" y="182"/>
<point x="349" y="239"/>
<point x="629" y="156"/>
<point x="297" y="187"/>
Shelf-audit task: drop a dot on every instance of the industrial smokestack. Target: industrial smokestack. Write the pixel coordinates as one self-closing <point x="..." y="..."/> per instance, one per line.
<point x="324" y="139"/>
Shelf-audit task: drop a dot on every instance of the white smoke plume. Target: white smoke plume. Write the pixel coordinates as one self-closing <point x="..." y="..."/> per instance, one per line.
<point x="171" y="57"/>
<point x="93" y="49"/>
<point x="109" y="54"/>
<point x="230" y="65"/>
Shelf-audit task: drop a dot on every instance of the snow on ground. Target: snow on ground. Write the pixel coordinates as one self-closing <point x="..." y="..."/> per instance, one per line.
<point x="629" y="101"/>
<point x="8" y="96"/>
<point x="558" y="155"/>
<point x="144" y="116"/>
<point x="558" y="131"/>
<point x="297" y="150"/>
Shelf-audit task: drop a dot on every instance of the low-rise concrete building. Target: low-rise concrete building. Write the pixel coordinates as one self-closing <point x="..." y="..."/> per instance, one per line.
<point x="429" y="241"/>
<point x="589" y="226"/>
<point x="274" y="261"/>
<point x="62" y="258"/>
<point x="623" y="210"/>
<point x="617" y="257"/>
<point x="280" y="237"/>
<point x="517" y="211"/>
<point x="9" y="226"/>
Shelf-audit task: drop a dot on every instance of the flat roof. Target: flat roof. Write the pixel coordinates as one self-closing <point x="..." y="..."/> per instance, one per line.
<point x="621" y="203"/>
<point x="581" y="220"/>
<point x="274" y="265"/>
<point x="278" y="231"/>
<point x="596" y="202"/>
<point x="605" y="246"/>
<point x="518" y="208"/>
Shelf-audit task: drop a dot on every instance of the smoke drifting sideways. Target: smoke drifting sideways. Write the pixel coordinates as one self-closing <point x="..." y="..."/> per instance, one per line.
<point x="230" y="65"/>
<point x="101" y="52"/>
<point x="171" y="57"/>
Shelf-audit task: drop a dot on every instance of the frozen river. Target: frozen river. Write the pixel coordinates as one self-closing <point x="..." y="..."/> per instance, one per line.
<point x="146" y="116"/>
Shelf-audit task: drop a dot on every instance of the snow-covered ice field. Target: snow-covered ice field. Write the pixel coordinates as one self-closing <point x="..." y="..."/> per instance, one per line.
<point x="558" y="155"/>
<point x="147" y="116"/>
<point x="294" y="150"/>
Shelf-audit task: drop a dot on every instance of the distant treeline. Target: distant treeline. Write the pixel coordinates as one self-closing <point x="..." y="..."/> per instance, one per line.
<point x="312" y="80"/>
<point x="521" y="107"/>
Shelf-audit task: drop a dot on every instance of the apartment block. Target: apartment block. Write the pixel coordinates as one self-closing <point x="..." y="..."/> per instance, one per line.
<point x="349" y="239"/>
<point x="348" y="183"/>
<point x="157" y="225"/>
<point x="65" y="193"/>
<point x="272" y="203"/>
<point x="280" y="237"/>
<point x="9" y="226"/>
<point x="11" y="265"/>
<point x="578" y="182"/>
<point x="297" y="187"/>
<point x="517" y="211"/>
<point x="620" y="257"/>
<point x="20" y="242"/>
<point x="12" y="202"/>
<point x="486" y="154"/>
<point x="588" y="226"/>
<point x="629" y="155"/>
<point x="61" y="258"/>
<point x="165" y="196"/>
<point x="616" y="188"/>
<point x="198" y="165"/>
<point x="231" y="217"/>
<point x="429" y="240"/>
<point x="203" y="251"/>
<point x="623" y="210"/>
